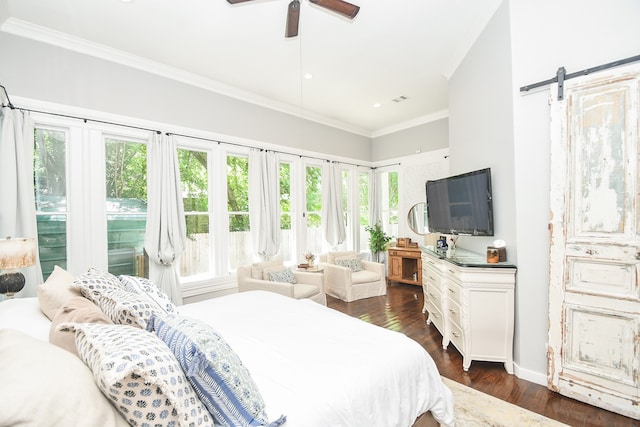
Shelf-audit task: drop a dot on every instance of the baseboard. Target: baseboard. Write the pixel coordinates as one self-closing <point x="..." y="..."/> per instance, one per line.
<point x="526" y="374"/>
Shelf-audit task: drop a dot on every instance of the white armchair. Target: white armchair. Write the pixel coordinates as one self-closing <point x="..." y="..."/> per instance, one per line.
<point x="348" y="285"/>
<point x="256" y="277"/>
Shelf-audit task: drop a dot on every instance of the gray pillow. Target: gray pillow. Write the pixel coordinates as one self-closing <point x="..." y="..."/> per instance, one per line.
<point x="282" y="276"/>
<point x="353" y="263"/>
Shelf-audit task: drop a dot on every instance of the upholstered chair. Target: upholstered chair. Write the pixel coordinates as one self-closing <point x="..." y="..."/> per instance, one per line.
<point x="273" y="276"/>
<point x="349" y="278"/>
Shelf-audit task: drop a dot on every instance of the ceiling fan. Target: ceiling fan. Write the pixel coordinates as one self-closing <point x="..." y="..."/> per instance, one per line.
<point x="341" y="7"/>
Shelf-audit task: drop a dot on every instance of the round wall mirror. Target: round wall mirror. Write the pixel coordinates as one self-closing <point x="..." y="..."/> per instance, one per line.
<point x="417" y="218"/>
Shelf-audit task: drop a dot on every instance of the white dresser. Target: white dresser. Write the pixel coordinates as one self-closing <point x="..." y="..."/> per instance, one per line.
<point x="471" y="303"/>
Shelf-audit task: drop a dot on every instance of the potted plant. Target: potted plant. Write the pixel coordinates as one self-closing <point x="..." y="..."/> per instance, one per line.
<point x="378" y="241"/>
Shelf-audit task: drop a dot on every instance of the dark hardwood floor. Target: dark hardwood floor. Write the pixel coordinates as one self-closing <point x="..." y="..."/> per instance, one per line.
<point x="401" y="310"/>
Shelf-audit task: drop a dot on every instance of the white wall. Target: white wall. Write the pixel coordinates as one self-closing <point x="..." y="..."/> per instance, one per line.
<point x="31" y="69"/>
<point x="493" y="124"/>
<point x="480" y="126"/>
<point x="546" y="35"/>
<point x="418" y="139"/>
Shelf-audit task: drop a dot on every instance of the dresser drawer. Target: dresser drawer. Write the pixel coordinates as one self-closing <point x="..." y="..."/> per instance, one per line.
<point x="454" y="292"/>
<point x="433" y="295"/>
<point x="432" y="278"/>
<point x="435" y="316"/>
<point x="454" y="312"/>
<point x="457" y="337"/>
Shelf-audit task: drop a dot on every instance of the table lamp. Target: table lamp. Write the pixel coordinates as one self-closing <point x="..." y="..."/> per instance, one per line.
<point x="15" y="252"/>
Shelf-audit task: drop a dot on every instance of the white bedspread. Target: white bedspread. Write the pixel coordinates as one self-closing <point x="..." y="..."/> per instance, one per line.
<point x="323" y="368"/>
<point x="319" y="367"/>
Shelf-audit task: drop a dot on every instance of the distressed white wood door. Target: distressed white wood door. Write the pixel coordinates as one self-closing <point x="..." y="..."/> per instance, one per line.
<point x="594" y="295"/>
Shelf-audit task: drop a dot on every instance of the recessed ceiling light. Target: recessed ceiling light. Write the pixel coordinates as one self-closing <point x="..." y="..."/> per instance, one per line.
<point x="377" y="105"/>
<point x="308" y="76"/>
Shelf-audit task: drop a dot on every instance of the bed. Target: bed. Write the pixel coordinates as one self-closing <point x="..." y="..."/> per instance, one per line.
<point x="312" y="364"/>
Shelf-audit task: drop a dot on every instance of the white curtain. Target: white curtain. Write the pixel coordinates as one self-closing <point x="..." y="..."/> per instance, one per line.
<point x="264" y="202"/>
<point x="17" y="201"/>
<point x="166" y="231"/>
<point x="332" y="213"/>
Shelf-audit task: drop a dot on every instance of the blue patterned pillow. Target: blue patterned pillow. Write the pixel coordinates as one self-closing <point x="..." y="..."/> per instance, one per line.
<point x="216" y="372"/>
<point x="285" y="276"/>
<point x="144" y="287"/>
<point x="126" y="308"/>
<point x="139" y="375"/>
<point x="94" y="282"/>
<point x="353" y="263"/>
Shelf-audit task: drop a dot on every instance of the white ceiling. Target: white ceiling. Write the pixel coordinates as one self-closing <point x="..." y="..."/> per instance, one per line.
<point x="392" y="48"/>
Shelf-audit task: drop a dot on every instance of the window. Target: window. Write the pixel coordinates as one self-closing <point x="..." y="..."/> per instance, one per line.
<point x="313" y="213"/>
<point x="347" y="211"/>
<point x="195" y="193"/>
<point x="126" y="205"/>
<point x="363" y="211"/>
<point x="100" y="204"/>
<point x="286" y="210"/>
<point x="50" y="185"/>
<point x="240" y="246"/>
<point x="389" y="193"/>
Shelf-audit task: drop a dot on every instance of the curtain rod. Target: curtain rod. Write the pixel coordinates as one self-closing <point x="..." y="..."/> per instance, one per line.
<point x="69" y="116"/>
<point x="561" y="75"/>
<point x="84" y="119"/>
<point x="267" y="149"/>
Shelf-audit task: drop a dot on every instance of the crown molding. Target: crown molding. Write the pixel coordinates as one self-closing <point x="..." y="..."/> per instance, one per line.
<point x="63" y="40"/>
<point x="442" y="114"/>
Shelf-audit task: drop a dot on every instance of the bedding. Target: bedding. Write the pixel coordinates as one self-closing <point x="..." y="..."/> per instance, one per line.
<point x="312" y="364"/>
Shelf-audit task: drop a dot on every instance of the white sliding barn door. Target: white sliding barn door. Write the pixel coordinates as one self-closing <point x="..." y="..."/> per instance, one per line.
<point x="594" y="297"/>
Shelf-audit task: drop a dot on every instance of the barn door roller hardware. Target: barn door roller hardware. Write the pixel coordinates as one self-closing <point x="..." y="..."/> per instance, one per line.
<point x="561" y="75"/>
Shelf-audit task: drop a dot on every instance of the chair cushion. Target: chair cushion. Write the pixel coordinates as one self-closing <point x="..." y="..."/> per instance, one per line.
<point x="353" y="262"/>
<point x="257" y="267"/>
<point x="364" y="276"/>
<point x="302" y="290"/>
<point x="331" y="256"/>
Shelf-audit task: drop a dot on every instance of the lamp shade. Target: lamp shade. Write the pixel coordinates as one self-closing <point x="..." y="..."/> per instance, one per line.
<point x="17" y="252"/>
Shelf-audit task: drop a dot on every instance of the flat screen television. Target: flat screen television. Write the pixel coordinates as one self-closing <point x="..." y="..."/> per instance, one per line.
<point x="461" y="204"/>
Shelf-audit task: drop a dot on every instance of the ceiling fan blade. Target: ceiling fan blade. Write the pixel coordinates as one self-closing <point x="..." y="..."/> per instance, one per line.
<point x="339" y="6"/>
<point x="293" y="19"/>
<point x="237" y="1"/>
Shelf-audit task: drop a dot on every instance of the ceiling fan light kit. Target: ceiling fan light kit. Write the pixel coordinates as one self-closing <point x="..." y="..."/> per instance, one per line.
<point x="340" y="7"/>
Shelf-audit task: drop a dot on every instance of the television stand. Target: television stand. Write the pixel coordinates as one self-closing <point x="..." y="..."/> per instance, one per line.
<point x="471" y="303"/>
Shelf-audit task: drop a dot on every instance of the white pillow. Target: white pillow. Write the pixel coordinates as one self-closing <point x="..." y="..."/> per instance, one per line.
<point x="55" y="291"/>
<point x="45" y="385"/>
